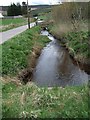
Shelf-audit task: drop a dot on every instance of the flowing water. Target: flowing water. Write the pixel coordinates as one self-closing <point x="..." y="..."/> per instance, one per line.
<point x="55" y="67"/>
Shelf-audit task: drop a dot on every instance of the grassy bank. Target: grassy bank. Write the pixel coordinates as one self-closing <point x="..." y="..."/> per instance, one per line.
<point x="30" y="101"/>
<point x="15" y="52"/>
<point x="71" y="26"/>
<point x="76" y="42"/>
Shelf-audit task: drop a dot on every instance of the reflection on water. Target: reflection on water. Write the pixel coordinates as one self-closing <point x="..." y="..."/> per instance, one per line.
<point x="55" y="68"/>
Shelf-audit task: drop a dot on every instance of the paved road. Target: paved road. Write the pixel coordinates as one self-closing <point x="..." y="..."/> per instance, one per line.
<point x="4" y="36"/>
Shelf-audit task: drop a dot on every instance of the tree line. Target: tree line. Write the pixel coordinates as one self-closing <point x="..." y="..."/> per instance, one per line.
<point x="17" y="9"/>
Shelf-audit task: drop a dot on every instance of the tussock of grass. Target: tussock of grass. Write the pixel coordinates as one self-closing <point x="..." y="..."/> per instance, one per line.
<point x="57" y="102"/>
<point x="16" y="50"/>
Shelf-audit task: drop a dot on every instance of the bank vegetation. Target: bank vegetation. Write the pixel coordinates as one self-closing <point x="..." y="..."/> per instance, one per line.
<point x="71" y="25"/>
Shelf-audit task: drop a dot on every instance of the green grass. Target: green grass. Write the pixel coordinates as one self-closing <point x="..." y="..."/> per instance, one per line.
<point x="41" y="11"/>
<point x="7" y="24"/>
<point x="16" y="50"/>
<point x="79" y="42"/>
<point x="43" y="17"/>
<point x="30" y="101"/>
<point x="13" y="21"/>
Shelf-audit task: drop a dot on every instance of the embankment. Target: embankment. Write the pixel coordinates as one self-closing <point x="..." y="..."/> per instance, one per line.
<point x="20" y="53"/>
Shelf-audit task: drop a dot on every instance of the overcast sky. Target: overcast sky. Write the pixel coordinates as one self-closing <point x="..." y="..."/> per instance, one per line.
<point x="36" y="2"/>
<point x="31" y="2"/>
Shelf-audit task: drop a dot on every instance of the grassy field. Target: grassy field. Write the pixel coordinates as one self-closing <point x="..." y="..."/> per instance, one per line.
<point x="41" y="11"/>
<point x="13" y="21"/>
<point x="7" y="24"/>
<point x="30" y="101"/>
<point x="42" y="17"/>
<point x="16" y="50"/>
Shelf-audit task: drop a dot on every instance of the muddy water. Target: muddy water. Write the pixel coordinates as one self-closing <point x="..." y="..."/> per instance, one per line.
<point x="55" y="67"/>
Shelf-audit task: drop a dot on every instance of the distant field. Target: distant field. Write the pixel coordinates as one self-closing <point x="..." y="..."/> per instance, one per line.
<point x="7" y="24"/>
<point x="13" y="21"/>
<point x="41" y="11"/>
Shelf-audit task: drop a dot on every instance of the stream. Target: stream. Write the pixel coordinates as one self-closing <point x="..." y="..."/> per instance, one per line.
<point x="56" y="68"/>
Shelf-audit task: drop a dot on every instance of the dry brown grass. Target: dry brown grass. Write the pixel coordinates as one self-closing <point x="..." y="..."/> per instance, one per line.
<point x="46" y="23"/>
<point x="61" y="29"/>
<point x="70" y="17"/>
<point x="7" y="79"/>
<point x="34" y="55"/>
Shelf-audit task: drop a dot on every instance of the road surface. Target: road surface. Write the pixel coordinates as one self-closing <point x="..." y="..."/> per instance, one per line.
<point x="4" y="36"/>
